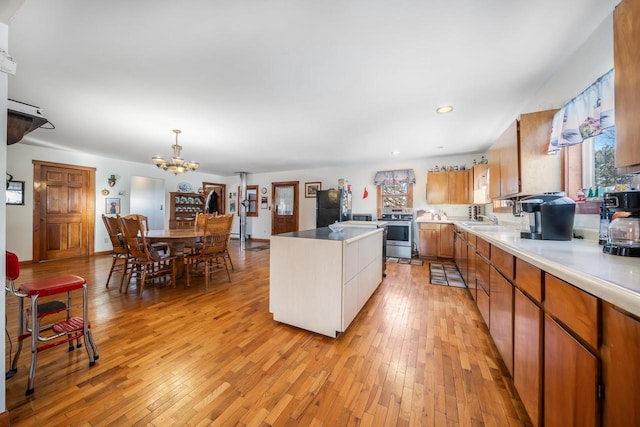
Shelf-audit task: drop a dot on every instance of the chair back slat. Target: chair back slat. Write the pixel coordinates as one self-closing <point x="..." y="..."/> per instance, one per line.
<point x="133" y="234"/>
<point x="112" y="224"/>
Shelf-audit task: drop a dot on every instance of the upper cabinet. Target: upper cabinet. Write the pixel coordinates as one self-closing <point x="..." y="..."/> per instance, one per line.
<point x="450" y="187"/>
<point x="518" y="161"/>
<point x="626" y="58"/>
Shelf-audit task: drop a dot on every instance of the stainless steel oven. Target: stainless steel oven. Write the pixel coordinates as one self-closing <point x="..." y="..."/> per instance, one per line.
<point x="399" y="231"/>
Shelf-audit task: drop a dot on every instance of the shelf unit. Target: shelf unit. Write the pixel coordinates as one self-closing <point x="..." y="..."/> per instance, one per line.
<point x="183" y="208"/>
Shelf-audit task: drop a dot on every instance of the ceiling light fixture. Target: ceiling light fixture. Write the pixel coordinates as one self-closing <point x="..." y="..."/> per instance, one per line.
<point x="177" y="164"/>
<point x="395" y="153"/>
<point x="444" y="109"/>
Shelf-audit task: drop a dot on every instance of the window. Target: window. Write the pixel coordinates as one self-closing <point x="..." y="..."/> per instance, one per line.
<point x="395" y="196"/>
<point x="598" y="161"/>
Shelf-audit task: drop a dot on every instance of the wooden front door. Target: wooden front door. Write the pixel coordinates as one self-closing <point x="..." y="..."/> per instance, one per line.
<point x="284" y="214"/>
<point x="63" y="211"/>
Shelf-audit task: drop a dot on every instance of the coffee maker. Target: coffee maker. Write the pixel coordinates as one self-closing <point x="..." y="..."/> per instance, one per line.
<point x="624" y="229"/>
<point x="551" y="216"/>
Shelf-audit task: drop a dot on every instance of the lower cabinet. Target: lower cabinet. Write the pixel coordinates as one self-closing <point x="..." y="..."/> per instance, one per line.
<point x="435" y="240"/>
<point x="483" y="289"/>
<point x="621" y="367"/>
<point x="501" y="315"/>
<point x="527" y="354"/>
<point x="570" y="379"/>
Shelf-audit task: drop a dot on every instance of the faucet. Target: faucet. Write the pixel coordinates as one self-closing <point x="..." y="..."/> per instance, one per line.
<point x="493" y="218"/>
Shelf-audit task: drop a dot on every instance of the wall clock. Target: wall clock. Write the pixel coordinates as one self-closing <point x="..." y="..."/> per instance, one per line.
<point x="264" y="190"/>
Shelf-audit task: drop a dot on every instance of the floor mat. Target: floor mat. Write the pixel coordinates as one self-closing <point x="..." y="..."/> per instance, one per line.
<point x="405" y="261"/>
<point x="258" y="248"/>
<point x="445" y="275"/>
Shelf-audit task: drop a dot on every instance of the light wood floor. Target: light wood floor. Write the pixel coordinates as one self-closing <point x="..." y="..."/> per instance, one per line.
<point x="417" y="354"/>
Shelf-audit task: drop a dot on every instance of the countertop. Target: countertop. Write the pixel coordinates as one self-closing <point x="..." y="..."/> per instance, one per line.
<point x="449" y="220"/>
<point x="582" y="263"/>
<point x="349" y="234"/>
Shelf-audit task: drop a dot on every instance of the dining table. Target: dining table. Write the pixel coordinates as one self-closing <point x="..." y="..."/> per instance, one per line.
<point x="176" y="239"/>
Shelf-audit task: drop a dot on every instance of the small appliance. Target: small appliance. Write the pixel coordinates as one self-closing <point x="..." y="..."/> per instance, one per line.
<point x="624" y="229"/>
<point x="550" y="215"/>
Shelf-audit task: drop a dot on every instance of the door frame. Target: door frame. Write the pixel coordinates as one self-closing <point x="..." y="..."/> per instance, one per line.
<point x="296" y="202"/>
<point x="222" y="198"/>
<point x="90" y="204"/>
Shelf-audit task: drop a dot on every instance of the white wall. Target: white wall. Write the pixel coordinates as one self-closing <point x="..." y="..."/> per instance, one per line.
<point x="20" y="218"/>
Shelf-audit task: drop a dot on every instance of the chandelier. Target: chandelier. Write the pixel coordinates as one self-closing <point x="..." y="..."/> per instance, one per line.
<point x="176" y="164"/>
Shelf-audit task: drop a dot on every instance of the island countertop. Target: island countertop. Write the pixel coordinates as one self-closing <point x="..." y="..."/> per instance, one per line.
<point x="348" y="234"/>
<point x="582" y="263"/>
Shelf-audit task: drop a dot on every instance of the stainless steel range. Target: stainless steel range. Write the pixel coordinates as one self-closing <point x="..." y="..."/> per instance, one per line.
<point x="399" y="231"/>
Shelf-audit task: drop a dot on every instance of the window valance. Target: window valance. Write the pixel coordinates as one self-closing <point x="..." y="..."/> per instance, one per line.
<point x="585" y="116"/>
<point x="395" y="177"/>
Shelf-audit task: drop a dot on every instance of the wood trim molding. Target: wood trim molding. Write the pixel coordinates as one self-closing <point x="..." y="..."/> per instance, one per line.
<point x="4" y="419"/>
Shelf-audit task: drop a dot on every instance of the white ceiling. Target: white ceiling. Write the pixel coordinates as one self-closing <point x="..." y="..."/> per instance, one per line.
<point x="261" y="85"/>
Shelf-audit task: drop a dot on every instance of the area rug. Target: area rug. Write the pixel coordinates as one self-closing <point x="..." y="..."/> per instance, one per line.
<point x="445" y="275"/>
<point x="405" y="261"/>
<point x="258" y="248"/>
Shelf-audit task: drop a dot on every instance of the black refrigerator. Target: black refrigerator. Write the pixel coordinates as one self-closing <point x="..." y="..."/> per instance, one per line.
<point x="332" y="205"/>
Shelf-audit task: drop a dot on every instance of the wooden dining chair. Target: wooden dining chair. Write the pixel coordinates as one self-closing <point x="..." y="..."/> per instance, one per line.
<point x="229" y="224"/>
<point x="120" y="253"/>
<point x="158" y="246"/>
<point x="211" y="255"/>
<point x="147" y="265"/>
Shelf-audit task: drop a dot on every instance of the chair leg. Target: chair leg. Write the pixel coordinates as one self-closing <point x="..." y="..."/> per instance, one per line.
<point x="229" y="258"/>
<point x="113" y="265"/>
<point x="142" y="280"/>
<point x="224" y="260"/>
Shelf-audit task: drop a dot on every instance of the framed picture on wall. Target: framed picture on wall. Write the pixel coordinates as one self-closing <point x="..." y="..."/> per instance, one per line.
<point x="232" y="206"/>
<point x="15" y="193"/>
<point x="112" y="206"/>
<point x="311" y="188"/>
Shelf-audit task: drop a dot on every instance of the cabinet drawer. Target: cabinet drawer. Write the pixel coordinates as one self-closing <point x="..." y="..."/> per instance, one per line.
<point x="471" y="238"/>
<point x="503" y="261"/>
<point x="483" y="305"/>
<point x="482" y="274"/>
<point x="428" y="226"/>
<point x="573" y="307"/>
<point x="483" y="248"/>
<point x="529" y="279"/>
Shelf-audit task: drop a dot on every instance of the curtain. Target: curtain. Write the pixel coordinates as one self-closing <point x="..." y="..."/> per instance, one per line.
<point x="395" y="177"/>
<point x="585" y="116"/>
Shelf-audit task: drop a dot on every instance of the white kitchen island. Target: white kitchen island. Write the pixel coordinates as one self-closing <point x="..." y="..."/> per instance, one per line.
<point x="319" y="279"/>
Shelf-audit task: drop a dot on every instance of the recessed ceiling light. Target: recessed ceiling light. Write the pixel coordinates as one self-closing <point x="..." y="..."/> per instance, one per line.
<point x="395" y="153"/>
<point x="444" y="109"/>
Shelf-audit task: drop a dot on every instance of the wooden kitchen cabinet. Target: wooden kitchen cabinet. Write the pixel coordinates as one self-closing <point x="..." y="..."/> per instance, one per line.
<point x="626" y="59"/>
<point x="183" y="208"/>
<point x="621" y="370"/>
<point x="481" y="184"/>
<point x="501" y="316"/>
<point x="428" y="239"/>
<point x="570" y="379"/>
<point x="450" y="187"/>
<point x="519" y="157"/>
<point x="483" y="289"/>
<point x="435" y="240"/>
<point x="438" y="188"/>
<point x="527" y="354"/>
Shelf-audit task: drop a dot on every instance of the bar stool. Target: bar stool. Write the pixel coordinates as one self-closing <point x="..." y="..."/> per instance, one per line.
<point x="54" y="334"/>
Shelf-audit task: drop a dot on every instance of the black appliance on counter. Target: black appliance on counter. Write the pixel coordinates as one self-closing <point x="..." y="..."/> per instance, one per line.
<point x="332" y="205"/>
<point x="551" y="216"/>
<point x="399" y="231"/>
<point x="624" y="230"/>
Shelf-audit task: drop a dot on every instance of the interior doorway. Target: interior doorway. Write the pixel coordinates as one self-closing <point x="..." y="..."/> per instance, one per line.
<point x="148" y="198"/>
<point x="63" y="211"/>
<point x="284" y="215"/>
<point x="220" y="202"/>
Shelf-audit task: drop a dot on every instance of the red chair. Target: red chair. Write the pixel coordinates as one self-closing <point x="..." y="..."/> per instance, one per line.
<point x="29" y="320"/>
